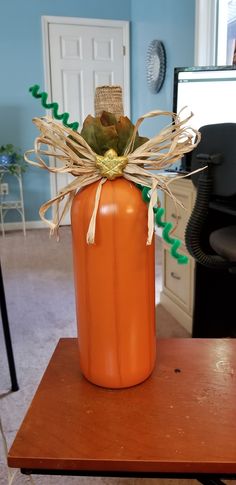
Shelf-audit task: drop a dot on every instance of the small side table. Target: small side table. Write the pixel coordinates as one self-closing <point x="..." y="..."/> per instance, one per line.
<point x="178" y="423"/>
<point x="5" y="204"/>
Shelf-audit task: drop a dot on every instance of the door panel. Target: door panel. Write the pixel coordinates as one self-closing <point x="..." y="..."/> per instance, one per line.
<point x="81" y="57"/>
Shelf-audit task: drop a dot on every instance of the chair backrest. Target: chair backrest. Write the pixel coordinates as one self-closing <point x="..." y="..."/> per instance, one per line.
<point x="218" y="139"/>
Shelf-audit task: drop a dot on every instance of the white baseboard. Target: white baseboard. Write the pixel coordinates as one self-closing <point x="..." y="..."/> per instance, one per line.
<point x="158" y="231"/>
<point x="17" y="226"/>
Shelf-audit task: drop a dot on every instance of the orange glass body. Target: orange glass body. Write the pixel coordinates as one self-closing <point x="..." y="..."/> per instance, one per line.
<point x="114" y="286"/>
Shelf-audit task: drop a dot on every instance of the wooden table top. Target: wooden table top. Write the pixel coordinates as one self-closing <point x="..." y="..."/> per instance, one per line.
<point x="180" y="420"/>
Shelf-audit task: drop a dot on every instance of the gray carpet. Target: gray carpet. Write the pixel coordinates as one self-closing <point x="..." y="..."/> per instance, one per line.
<point x="40" y="298"/>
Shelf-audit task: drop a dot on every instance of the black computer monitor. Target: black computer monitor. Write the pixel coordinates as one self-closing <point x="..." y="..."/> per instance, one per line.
<point x="209" y="92"/>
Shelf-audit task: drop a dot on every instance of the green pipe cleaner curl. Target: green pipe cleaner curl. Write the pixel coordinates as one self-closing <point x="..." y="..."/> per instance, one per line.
<point x="54" y="106"/>
<point x="167" y="226"/>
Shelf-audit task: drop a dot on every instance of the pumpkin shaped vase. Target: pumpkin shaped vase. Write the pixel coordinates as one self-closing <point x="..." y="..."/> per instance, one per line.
<point x="114" y="286"/>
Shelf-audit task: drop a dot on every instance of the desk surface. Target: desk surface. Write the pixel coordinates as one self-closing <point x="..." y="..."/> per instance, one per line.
<point x="180" y="420"/>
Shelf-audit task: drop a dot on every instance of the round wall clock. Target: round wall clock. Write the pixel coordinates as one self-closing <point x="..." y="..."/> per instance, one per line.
<point x="156" y="65"/>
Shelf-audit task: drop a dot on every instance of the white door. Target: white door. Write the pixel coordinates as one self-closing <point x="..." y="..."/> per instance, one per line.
<point x="81" y="54"/>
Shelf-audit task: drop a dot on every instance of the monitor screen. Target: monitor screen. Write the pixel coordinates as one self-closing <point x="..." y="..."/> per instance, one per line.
<point x="208" y="92"/>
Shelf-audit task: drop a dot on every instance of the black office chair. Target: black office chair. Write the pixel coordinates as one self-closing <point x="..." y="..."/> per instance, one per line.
<point x="210" y="235"/>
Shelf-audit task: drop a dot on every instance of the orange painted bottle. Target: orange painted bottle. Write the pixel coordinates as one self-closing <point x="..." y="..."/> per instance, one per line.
<point x="114" y="286"/>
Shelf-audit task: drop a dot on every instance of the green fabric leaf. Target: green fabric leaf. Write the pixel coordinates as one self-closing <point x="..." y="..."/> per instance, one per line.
<point x="100" y="138"/>
<point x="108" y="119"/>
<point x="107" y="132"/>
<point x="139" y="140"/>
<point x="125" y="130"/>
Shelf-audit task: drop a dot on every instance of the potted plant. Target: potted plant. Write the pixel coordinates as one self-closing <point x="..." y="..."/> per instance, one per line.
<point x="11" y="158"/>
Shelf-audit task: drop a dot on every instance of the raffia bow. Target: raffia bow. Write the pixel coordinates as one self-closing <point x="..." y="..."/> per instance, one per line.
<point x="78" y="158"/>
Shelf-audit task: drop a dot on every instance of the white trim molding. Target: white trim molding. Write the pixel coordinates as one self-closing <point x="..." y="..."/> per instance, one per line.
<point x="222" y="33"/>
<point x="206" y="13"/>
<point x="17" y="226"/>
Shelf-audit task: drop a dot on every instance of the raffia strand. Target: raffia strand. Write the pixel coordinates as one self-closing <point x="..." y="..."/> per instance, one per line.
<point x="77" y="158"/>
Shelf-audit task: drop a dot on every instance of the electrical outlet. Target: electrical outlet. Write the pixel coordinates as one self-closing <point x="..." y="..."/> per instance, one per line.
<point x="4" y="189"/>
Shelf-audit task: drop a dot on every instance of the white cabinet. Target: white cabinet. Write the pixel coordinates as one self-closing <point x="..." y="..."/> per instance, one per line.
<point x="177" y="279"/>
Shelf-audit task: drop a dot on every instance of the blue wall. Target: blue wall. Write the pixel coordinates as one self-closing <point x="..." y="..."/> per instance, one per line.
<point x="172" y="22"/>
<point x="21" y="64"/>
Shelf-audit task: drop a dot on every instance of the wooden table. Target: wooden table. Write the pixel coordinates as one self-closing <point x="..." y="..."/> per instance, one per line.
<point x="179" y="422"/>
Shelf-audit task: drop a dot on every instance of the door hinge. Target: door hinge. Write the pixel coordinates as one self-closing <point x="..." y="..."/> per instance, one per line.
<point x="124" y="50"/>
